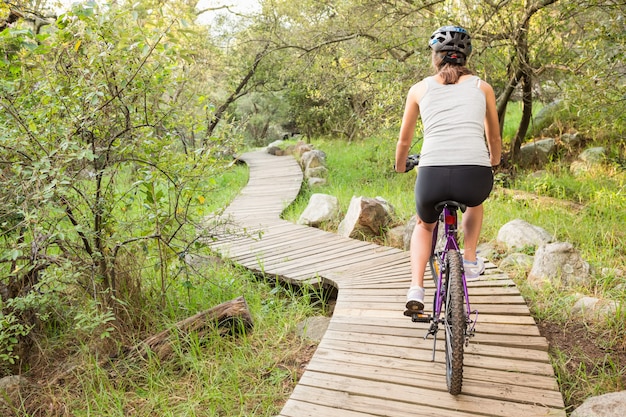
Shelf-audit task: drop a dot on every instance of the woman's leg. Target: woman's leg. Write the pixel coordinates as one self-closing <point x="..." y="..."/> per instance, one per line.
<point x="421" y="247"/>
<point x="472" y="222"/>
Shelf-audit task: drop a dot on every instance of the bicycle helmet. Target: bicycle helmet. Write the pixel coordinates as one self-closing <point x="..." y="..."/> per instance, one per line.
<point x="451" y="39"/>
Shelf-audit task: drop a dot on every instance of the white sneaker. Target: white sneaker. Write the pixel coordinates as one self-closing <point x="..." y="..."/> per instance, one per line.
<point x="415" y="299"/>
<point x="473" y="270"/>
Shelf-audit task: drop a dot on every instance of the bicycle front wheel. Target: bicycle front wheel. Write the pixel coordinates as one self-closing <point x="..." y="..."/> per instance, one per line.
<point x="455" y="323"/>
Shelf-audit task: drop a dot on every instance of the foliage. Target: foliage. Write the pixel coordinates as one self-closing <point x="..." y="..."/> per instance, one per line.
<point x="345" y="67"/>
<point x="99" y="159"/>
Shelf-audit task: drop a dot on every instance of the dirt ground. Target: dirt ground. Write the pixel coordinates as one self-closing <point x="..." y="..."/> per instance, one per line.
<point x="583" y="353"/>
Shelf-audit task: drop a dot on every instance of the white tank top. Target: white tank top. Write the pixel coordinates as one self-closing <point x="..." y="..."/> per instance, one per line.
<point x="454" y="131"/>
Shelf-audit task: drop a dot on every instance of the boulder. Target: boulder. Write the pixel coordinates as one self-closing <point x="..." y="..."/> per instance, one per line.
<point x="365" y="217"/>
<point x="276" y="144"/>
<point x="607" y="405"/>
<point x="313" y="159"/>
<point x="313" y="328"/>
<point x="518" y="234"/>
<point x="321" y="208"/>
<point x="592" y="308"/>
<point x="571" y="139"/>
<point x="301" y="148"/>
<point x="316" y="182"/>
<point x="395" y="237"/>
<point x="275" y="150"/>
<point x="408" y="232"/>
<point x="538" y="152"/>
<point x="559" y="263"/>
<point x="316" y="172"/>
<point x="587" y="159"/>
<point x="593" y="155"/>
<point x="517" y="260"/>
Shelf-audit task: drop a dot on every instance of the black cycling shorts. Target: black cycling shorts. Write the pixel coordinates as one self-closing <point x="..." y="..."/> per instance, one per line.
<point x="467" y="184"/>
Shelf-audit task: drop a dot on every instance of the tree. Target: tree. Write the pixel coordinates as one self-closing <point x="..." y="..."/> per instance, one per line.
<point x="99" y="178"/>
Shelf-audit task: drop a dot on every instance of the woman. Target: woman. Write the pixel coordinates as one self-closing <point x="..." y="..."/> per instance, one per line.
<point x="458" y="111"/>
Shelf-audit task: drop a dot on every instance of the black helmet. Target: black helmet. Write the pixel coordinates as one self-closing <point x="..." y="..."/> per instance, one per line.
<point x="451" y="38"/>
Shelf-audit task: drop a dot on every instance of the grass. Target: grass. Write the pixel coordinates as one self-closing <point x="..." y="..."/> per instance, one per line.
<point x="213" y="375"/>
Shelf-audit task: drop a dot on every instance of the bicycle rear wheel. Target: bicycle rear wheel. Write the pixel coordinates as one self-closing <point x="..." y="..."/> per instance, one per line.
<point x="455" y="323"/>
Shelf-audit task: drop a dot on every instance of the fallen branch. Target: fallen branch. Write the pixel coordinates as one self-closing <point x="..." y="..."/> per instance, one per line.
<point x="230" y="317"/>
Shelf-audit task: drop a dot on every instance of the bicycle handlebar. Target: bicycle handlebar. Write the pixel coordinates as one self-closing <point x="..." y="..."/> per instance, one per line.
<point x="411" y="162"/>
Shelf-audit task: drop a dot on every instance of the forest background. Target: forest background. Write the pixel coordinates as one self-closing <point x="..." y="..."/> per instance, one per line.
<point x="120" y="120"/>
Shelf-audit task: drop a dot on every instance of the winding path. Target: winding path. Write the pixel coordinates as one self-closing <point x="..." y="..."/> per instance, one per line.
<point x="373" y="361"/>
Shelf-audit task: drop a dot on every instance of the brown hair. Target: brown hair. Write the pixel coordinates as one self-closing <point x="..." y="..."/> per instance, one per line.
<point x="450" y="73"/>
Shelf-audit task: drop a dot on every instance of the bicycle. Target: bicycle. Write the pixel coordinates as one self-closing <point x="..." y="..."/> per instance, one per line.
<point x="451" y="304"/>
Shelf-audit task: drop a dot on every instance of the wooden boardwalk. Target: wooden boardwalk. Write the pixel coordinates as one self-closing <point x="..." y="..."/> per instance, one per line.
<point x="373" y="361"/>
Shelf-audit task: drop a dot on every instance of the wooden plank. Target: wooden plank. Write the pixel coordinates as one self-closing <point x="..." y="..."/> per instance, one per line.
<point x="433" y="397"/>
<point x="428" y="370"/>
<point x="340" y="404"/>
<point x="423" y="352"/>
<point x="519" y="353"/>
<point x="326" y="247"/>
<point x="512" y="340"/>
<point x="472" y="384"/>
<point x="406" y="323"/>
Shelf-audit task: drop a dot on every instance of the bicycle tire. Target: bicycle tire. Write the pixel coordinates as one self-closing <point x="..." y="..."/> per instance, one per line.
<point x="455" y="323"/>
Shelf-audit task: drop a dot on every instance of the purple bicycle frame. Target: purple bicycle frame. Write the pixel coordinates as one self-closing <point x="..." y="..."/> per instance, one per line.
<point x="450" y="234"/>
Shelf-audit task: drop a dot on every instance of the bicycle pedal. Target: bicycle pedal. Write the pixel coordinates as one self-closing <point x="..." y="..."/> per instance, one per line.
<point x="418" y="316"/>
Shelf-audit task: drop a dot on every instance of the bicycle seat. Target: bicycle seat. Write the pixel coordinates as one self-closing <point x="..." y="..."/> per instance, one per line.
<point x="454" y="205"/>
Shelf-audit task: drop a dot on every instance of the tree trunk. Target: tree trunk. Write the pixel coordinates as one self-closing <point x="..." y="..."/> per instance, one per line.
<point x="504" y="98"/>
<point x="230" y="317"/>
<point x="525" y="70"/>
<point x="527" y="111"/>
<point x="219" y="113"/>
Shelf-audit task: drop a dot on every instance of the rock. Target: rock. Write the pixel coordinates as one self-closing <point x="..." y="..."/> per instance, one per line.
<point x="571" y="139"/>
<point x="316" y="182"/>
<point x="10" y="384"/>
<point x="518" y="234"/>
<point x="585" y="304"/>
<point x="607" y="405"/>
<point x="313" y="328"/>
<point x="408" y="232"/>
<point x="276" y="144"/>
<point x="546" y="116"/>
<point x="312" y="159"/>
<point x="559" y="263"/>
<point x="390" y="209"/>
<point x="487" y="250"/>
<point x="594" y="308"/>
<point x="276" y="151"/>
<point x="578" y="167"/>
<point x="593" y="155"/>
<point x="537" y="152"/>
<point x="301" y="148"/>
<point x="395" y="237"/>
<point x="517" y="260"/>
<point x="316" y="172"/>
<point x="587" y="159"/>
<point x="11" y="388"/>
<point x="321" y="208"/>
<point x="365" y="216"/>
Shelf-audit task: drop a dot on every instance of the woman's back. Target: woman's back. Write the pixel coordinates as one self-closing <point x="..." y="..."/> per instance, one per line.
<point x="453" y="116"/>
